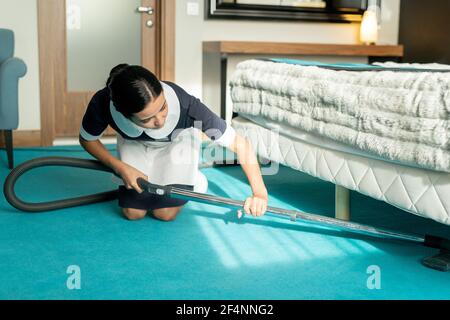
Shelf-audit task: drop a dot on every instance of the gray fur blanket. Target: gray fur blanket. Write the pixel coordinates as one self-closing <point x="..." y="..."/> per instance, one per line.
<point x="400" y="116"/>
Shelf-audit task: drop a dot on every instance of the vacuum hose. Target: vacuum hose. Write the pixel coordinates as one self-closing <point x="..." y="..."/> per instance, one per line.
<point x="11" y="197"/>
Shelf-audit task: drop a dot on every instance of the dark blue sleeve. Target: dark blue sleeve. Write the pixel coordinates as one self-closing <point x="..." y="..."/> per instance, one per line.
<point x="95" y="119"/>
<point x="205" y="119"/>
<point x="211" y="124"/>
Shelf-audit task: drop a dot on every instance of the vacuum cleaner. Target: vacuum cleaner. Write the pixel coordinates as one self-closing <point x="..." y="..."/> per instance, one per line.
<point x="440" y="261"/>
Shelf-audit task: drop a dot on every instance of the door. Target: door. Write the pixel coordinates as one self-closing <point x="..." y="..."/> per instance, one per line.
<point x="81" y="40"/>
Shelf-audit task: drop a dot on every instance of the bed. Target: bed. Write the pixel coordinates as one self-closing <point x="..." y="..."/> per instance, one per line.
<point x="381" y="130"/>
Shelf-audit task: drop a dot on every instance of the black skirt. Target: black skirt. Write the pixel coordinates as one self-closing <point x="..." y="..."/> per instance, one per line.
<point x="130" y="198"/>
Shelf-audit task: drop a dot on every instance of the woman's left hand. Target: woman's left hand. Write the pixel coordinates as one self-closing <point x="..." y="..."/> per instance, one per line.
<point x="255" y="205"/>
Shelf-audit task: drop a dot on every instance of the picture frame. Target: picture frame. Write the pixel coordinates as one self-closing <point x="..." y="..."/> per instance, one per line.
<point x="307" y="10"/>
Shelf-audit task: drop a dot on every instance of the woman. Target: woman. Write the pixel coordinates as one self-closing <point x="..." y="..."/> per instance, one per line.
<point x="156" y="124"/>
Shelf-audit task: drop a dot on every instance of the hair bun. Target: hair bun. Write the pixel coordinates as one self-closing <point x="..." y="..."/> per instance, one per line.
<point x="114" y="71"/>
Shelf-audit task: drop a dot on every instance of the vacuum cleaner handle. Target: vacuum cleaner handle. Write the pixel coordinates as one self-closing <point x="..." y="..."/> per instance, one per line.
<point x="428" y="240"/>
<point x="188" y="195"/>
<point x="154" y="188"/>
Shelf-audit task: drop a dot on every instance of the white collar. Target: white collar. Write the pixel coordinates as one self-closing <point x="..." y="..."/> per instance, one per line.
<point x="133" y="130"/>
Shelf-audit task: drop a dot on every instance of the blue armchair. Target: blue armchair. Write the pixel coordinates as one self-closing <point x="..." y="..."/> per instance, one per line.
<point x="11" y="69"/>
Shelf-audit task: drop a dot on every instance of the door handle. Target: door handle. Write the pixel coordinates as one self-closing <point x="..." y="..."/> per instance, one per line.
<point x="148" y="10"/>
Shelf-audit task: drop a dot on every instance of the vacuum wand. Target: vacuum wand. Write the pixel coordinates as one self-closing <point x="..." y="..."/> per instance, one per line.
<point x="430" y="241"/>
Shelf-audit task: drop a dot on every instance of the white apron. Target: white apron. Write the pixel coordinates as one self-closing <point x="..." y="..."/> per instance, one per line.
<point x="166" y="162"/>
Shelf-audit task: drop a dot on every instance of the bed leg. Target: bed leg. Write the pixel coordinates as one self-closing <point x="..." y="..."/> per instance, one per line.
<point x="342" y="203"/>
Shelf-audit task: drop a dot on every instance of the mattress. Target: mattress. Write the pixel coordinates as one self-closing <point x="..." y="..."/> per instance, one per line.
<point x="419" y="191"/>
<point x="398" y="114"/>
<point x="317" y="140"/>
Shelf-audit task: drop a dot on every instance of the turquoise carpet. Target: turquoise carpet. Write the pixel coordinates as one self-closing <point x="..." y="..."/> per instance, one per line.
<point x="207" y="253"/>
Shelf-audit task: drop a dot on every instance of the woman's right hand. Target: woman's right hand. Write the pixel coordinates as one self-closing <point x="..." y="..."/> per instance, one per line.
<point x="130" y="175"/>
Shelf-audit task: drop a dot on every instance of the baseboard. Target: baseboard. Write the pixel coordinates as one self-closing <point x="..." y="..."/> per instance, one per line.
<point x="23" y="138"/>
<point x="32" y="138"/>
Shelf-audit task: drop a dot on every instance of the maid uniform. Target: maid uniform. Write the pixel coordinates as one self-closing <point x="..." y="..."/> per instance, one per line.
<point x="168" y="155"/>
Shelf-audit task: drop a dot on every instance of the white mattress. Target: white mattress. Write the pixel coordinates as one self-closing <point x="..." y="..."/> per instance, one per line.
<point x="418" y="191"/>
<point x="298" y="134"/>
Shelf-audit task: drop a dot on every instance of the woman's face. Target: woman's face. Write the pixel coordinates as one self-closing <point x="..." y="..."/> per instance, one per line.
<point x="154" y="114"/>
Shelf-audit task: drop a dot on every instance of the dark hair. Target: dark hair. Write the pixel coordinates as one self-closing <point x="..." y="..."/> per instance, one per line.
<point x="131" y="88"/>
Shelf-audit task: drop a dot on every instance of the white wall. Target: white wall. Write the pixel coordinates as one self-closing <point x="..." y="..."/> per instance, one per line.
<point x="192" y="30"/>
<point x="21" y="17"/>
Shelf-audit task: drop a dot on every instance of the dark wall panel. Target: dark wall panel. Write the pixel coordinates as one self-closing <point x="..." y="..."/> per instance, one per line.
<point x="425" y="30"/>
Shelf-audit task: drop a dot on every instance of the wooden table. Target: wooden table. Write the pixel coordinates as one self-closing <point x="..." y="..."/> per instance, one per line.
<point x="216" y="53"/>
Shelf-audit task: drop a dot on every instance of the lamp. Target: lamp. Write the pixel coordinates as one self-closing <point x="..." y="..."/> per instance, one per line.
<point x="369" y="24"/>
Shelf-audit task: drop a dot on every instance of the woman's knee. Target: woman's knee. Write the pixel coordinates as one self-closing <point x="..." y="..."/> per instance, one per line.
<point x="134" y="214"/>
<point x="166" y="214"/>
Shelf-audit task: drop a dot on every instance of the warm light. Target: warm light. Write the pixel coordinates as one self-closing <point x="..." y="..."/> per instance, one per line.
<point x="369" y="27"/>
